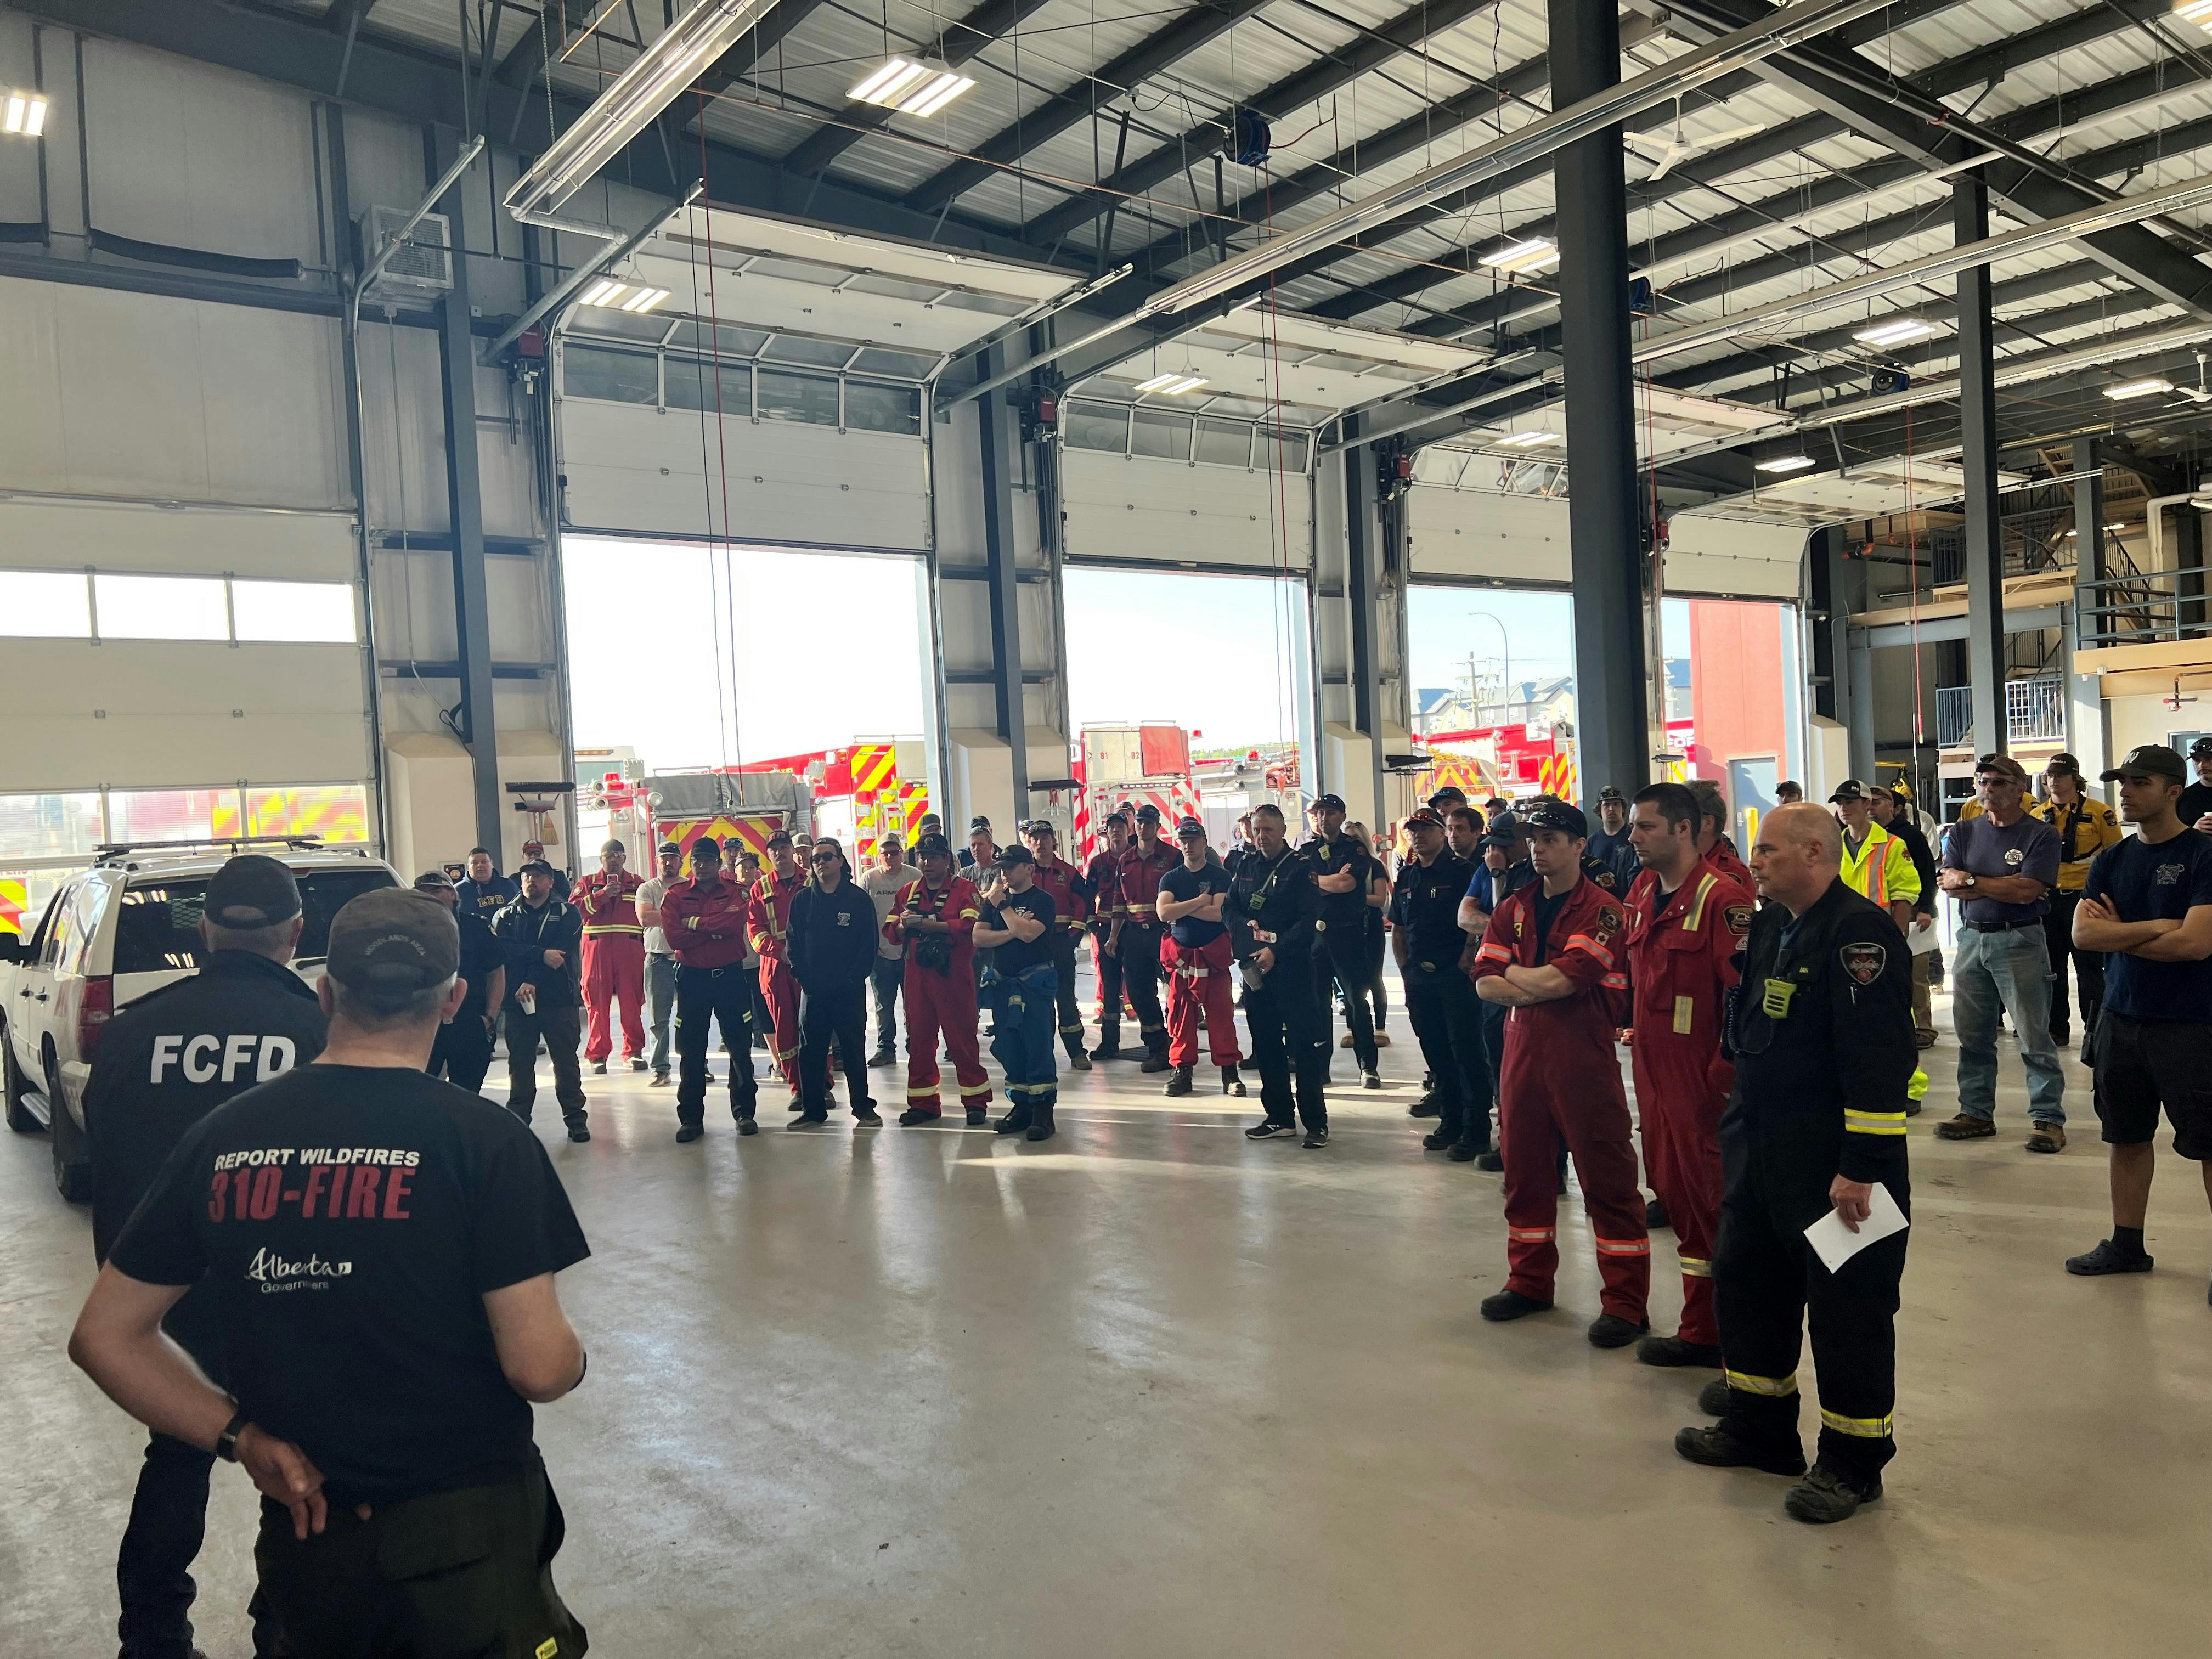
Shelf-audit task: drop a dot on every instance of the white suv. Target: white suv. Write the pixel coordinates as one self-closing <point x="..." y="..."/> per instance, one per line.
<point x="124" y="928"/>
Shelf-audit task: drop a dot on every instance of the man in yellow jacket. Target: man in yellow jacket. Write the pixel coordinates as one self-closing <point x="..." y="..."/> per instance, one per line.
<point x="1877" y="865"/>
<point x="2085" y="827"/>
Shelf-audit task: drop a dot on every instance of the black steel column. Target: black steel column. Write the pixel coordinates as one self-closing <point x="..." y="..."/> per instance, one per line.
<point x="457" y="362"/>
<point x="1830" y="616"/>
<point x="2090" y="570"/>
<point x="1364" y="531"/>
<point x="995" y="424"/>
<point x="1978" y="424"/>
<point x="1612" y="713"/>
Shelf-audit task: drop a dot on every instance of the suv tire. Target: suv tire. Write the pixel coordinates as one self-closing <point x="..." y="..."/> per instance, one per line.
<point x="21" y="1118"/>
<point x="72" y="1161"/>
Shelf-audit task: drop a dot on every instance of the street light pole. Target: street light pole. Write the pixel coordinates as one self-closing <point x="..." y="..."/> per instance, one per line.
<point x="1505" y="641"/>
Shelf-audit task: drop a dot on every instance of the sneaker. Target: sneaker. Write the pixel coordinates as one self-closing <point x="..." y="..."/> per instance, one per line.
<point x="1719" y="1447"/>
<point x="1427" y="1106"/>
<point x="797" y="1105"/>
<point x="882" y="1057"/>
<point x="865" y="1118"/>
<point x="1825" y="1496"/>
<point x="2047" y="1138"/>
<point x="659" y="1080"/>
<point x="579" y="1133"/>
<point x="807" y="1120"/>
<point x="1963" y="1127"/>
<point x="1674" y="1351"/>
<point x="1155" y="1062"/>
<point x="1655" y="1215"/>
<point x="2108" y="1258"/>
<point x="1107" y="1051"/>
<point x="1266" y="1129"/>
<point x="1612" y="1331"/>
<point x="1078" y="1061"/>
<point x="1713" y="1400"/>
<point x="976" y="1117"/>
<point x="1181" y="1083"/>
<point x="686" y="1132"/>
<point x="747" y="1127"/>
<point x="1317" y="1139"/>
<point x="914" y="1115"/>
<point x="1230" y="1082"/>
<point x="1490" y="1159"/>
<point x="598" y="1068"/>
<point x="1371" y="1080"/>
<point x="1511" y="1304"/>
<point x="635" y="1064"/>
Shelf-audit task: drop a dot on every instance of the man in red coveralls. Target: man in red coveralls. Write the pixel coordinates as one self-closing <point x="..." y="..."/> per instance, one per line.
<point x="935" y="917"/>
<point x="1104" y="875"/>
<point x="1199" y="961"/>
<point x="1713" y="844"/>
<point x="1550" y="955"/>
<point x="1138" y="933"/>
<point x="1685" y="920"/>
<point x="1071" y="904"/>
<point x="706" y="920"/>
<point x="772" y="896"/>
<point x="614" y="959"/>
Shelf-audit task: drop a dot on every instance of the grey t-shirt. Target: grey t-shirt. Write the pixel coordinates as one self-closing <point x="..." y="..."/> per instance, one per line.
<point x="2027" y="847"/>
<point x="654" y="890"/>
<point x="882" y="886"/>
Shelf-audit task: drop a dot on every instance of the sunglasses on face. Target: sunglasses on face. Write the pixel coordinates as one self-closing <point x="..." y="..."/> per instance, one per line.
<point x="823" y="858"/>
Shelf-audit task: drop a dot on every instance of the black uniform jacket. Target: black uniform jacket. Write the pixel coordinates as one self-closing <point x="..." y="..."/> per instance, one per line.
<point x="1272" y="903"/>
<point x="1822" y="1037"/>
<point x="833" y="937"/>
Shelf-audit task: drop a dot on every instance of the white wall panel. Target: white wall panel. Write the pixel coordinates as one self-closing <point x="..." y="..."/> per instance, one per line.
<point x="205" y="541"/>
<point x="403" y="438"/>
<point x="132" y="394"/>
<point x="19" y="162"/>
<point x="149" y="713"/>
<point x="415" y="607"/>
<point x="1135" y="507"/>
<point x="198" y="157"/>
<point x="1729" y="557"/>
<point x="1465" y="532"/>
<point x="637" y="469"/>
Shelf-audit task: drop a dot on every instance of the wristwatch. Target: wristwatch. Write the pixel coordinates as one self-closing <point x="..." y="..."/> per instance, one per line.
<point x="1972" y="879"/>
<point x="226" y="1443"/>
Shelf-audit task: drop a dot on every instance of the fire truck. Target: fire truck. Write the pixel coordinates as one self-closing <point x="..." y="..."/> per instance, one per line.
<point x="853" y="794"/>
<point x="1117" y="766"/>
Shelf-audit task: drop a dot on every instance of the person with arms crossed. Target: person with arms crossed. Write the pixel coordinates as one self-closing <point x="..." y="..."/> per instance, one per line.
<point x="659" y="961"/>
<point x="381" y="1402"/>
<point x="1999" y="868"/>
<point x="709" y="920"/>
<point x="1270" y="916"/>
<point x="1502" y="868"/>
<point x="882" y="881"/>
<point x="1343" y="874"/>
<point x="1103" y="874"/>
<point x="2147" y="905"/>
<point x="1199" y="961"/>
<point x="1822" y="1039"/>
<point x="1071" y="904"/>
<point x="1015" y="923"/>
<point x="2085" y="827"/>
<point x="614" y="959"/>
<point x="542" y="937"/>
<point x="934" y="922"/>
<point x="1135" y="942"/>
<point x="1434" y="954"/>
<point x="833" y="951"/>
<point x="462" y="1054"/>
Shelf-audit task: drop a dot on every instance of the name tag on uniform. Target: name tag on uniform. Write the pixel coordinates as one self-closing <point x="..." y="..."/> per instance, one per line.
<point x="1776" y="1003"/>
<point x="1684" y="1011"/>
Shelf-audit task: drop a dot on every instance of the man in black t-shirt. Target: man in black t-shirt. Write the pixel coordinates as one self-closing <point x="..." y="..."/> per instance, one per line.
<point x="2147" y="902"/>
<point x="1342" y="876"/>
<point x="1197" y="961"/>
<point x="1024" y="988"/>
<point x="462" y="1054"/>
<point x="831" y="947"/>
<point x="380" y="1249"/>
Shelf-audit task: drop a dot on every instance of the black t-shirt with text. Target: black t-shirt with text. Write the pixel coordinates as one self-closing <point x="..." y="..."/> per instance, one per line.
<point x="1183" y="884"/>
<point x="2196" y="801"/>
<point x="2146" y="883"/>
<point x="1018" y="956"/>
<point x="348" y="1222"/>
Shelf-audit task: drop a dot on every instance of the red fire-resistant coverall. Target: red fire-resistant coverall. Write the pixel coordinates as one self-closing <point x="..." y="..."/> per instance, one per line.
<point x="772" y="897"/>
<point x="1201" y="976"/>
<point x="1681" y="963"/>
<point x="942" y="999"/>
<point x="614" y="962"/>
<point x="1560" y="1079"/>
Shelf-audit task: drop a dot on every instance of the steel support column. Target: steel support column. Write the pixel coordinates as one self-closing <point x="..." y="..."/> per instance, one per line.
<point x="457" y="361"/>
<point x="1977" y="458"/>
<point x="998" y="430"/>
<point x="1366" y="527"/>
<point x="2088" y="721"/>
<point x="1613" y="718"/>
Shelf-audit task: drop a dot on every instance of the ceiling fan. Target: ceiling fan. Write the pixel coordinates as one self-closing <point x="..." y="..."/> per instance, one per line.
<point x="1680" y="148"/>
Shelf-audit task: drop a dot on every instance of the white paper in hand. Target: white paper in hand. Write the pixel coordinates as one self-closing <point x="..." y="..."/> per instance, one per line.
<point x="1836" y="1244"/>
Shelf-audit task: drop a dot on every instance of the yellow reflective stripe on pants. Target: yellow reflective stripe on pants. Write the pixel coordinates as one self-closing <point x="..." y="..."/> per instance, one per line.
<point x="1694" y="1268"/>
<point x="1775" y="1388"/>
<point x="1866" y="1428"/>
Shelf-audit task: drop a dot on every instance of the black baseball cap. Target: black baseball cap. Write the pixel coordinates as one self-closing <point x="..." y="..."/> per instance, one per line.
<point x="1851" y="789"/>
<point x="976" y="823"/>
<point x="433" y="881"/>
<point x="1148" y="813"/>
<point x="932" y="844"/>
<point x="1041" y="827"/>
<point x="1016" y="854"/>
<point x="782" y="836"/>
<point x="1609" y="793"/>
<point x="1424" y="817"/>
<point x="2153" y="758"/>
<point x="2200" y="748"/>
<point x="1505" y="832"/>
<point x="1121" y="818"/>
<point x="2006" y="767"/>
<point x="713" y="848"/>
<point x="671" y="847"/>
<point x="535" y="868"/>
<point x="1557" y="815"/>
<point x="1186" y="827"/>
<point x="1320" y="801"/>
<point x="1449" y="792"/>
<point x="394" y="940"/>
<point x="251" y="891"/>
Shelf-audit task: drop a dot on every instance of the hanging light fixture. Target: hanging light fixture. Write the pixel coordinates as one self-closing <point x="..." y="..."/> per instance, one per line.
<point x="1785" y="464"/>
<point x="1900" y="330"/>
<point x="2138" y="389"/>
<point x="1172" y="385"/>
<point x="911" y="88"/>
<point x="636" y="298"/>
<point x="24" y="114"/>
<point x="1533" y="254"/>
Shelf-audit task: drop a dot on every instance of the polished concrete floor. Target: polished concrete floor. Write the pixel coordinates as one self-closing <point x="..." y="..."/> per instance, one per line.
<point x="1152" y="1389"/>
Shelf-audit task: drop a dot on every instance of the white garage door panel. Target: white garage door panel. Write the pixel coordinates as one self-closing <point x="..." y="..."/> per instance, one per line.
<point x="159" y="714"/>
<point x="1129" y="507"/>
<point x="196" y="541"/>
<point x="638" y="470"/>
<point x="1729" y="557"/>
<point x="1465" y="532"/>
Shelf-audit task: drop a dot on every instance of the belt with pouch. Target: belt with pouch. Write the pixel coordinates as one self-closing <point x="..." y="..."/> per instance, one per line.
<point x="2001" y="927"/>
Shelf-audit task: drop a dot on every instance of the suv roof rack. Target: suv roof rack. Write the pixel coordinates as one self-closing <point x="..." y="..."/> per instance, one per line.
<point x="113" y="852"/>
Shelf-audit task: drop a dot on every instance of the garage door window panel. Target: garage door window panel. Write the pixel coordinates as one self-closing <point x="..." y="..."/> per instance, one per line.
<point x="1166" y="436"/>
<point x="1225" y="443"/>
<point x="614" y="377"/>
<point x="308" y="612"/>
<point x="871" y="408"/>
<point x="807" y="398"/>
<point x="46" y="605"/>
<point x="1091" y="426"/>
<point x="695" y="385"/>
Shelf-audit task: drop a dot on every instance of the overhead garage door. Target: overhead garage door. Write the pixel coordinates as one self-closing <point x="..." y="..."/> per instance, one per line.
<point x="1156" y="486"/>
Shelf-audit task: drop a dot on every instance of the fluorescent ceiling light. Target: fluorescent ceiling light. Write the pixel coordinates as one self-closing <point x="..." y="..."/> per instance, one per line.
<point x="1528" y="441"/>
<point x="910" y="88"/>
<point x="1786" y="464"/>
<point x="26" y="114"/>
<point x="1900" y="330"/>
<point x="2138" y="389"/>
<point x="644" y="300"/>
<point x="649" y="85"/>
<point x="2198" y="12"/>
<point x="605" y="292"/>
<point x="1172" y="385"/>
<point x="1533" y="254"/>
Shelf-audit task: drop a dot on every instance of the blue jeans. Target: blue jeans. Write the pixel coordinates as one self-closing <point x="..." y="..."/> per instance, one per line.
<point x="2012" y="969"/>
<point x="659" y="1003"/>
<point x="1023" y="1019"/>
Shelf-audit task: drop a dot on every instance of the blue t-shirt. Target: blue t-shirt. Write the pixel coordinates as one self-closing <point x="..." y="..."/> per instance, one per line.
<point x="1488" y="886"/>
<point x="2146" y="883"/>
<point x="480" y="900"/>
<point x="2029" y="846"/>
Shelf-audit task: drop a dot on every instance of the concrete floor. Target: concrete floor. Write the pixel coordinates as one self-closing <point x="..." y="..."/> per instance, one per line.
<point x="1152" y="1389"/>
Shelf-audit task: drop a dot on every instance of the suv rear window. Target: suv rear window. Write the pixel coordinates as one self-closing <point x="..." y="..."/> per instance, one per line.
<point x="157" y="930"/>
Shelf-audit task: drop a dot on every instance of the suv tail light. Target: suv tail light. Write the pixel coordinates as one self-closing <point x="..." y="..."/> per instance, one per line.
<point x="92" y="1013"/>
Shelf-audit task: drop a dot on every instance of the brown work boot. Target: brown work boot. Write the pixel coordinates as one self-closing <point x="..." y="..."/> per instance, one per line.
<point x="1965" y="1127"/>
<point x="2047" y="1138"/>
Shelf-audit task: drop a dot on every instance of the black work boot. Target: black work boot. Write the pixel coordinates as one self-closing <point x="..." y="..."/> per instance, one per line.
<point x="1511" y="1304"/>
<point x="977" y="1116"/>
<point x="1014" y="1122"/>
<point x="1719" y="1447"/>
<point x="1654" y="1216"/>
<point x="1827" y="1494"/>
<point x="1109" y="1043"/>
<point x="1181" y="1083"/>
<point x="1674" y="1351"/>
<point x="1156" y="1060"/>
<point x="1610" y="1330"/>
<point x="1230" y="1082"/>
<point x="1041" y="1124"/>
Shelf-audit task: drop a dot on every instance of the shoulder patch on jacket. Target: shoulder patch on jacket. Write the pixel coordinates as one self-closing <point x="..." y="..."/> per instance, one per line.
<point x="1864" y="960"/>
<point x="1738" y="918"/>
<point x="1608" y="918"/>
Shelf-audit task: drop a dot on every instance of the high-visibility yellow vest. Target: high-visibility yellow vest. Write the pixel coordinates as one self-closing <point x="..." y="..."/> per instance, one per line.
<point x="1881" y="870"/>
